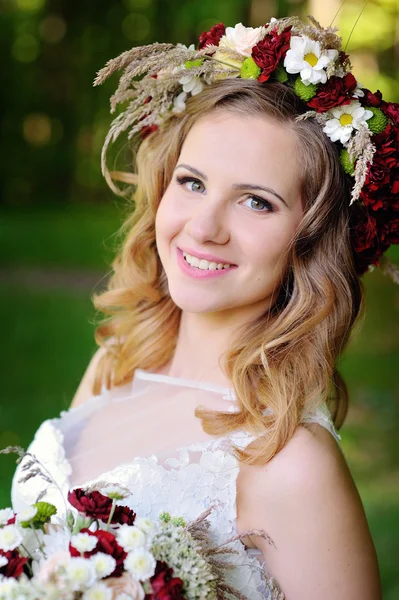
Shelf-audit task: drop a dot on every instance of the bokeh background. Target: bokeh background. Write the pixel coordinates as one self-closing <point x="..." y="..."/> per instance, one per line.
<point x="58" y="220"/>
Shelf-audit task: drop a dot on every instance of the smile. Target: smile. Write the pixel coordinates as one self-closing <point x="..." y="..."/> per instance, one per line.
<point x="201" y="268"/>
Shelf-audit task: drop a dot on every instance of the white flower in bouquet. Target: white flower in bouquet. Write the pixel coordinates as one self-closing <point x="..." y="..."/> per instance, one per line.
<point x="10" y="537"/>
<point x="140" y="564"/>
<point x="145" y="525"/>
<point x="131" y="537"/>
<point x="80" y="573"/>
<point x="344" y="119"/>
<point x="241" y="39"/>
<point x="5" y="515"/>
<point x="98" y="592"/>
<point x="83" y="542"/>
<point x="104" y="564"/>
<point x="3" y="561"/>
<point x="26" y="515"/>
<point x="307" y="58"/>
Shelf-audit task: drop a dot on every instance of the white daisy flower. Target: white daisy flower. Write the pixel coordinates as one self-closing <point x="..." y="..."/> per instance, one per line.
<point x="27" y="514"/>
<point x="10" y="537"/>
<point x="179" y="103"/>
<point x="8" y="587"/>
<point x="80" y="573"/>
<point x="98" y="592"/>
<point x="131" y="537"/>
<point x="241" y="39"/>
<point x="84" y="542"/>
<point x="306" y="57"/>
<point x="3" y="561"/>
<point x="115" y="492"/>
<point x="145" y="524"/>
<point x="104" y="564"/>
<point x="342" y="120"/>
<point x="140" y="563"/>
<point x="5" y="515"/>
<point x="358" y="91"/>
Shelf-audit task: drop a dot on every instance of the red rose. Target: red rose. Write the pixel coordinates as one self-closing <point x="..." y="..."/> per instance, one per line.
<point x="389" y="230"/>
<point x="365" y="233"/>
<point x="268" y="52"/>
<point x="93" y="504"/>
<point x="106" y="543"/>
<point x="213" y="36"/>
<point x="336" y="92"/>
<point x="164" y="585"/>
<point x="15" y="566"/>
<point x="123" y="515"/>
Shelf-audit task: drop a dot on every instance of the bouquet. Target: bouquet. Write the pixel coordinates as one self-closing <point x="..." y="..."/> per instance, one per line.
<point x="101" y="550"/>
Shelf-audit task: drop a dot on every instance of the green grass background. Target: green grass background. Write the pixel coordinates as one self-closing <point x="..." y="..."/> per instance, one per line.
<point x="47" y="341"/>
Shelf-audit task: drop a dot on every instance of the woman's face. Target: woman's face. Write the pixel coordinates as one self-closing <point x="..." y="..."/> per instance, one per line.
<point x="234" y="199"/>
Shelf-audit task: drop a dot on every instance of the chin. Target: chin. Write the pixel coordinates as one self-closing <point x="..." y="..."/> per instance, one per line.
<point x="196" y="303"/>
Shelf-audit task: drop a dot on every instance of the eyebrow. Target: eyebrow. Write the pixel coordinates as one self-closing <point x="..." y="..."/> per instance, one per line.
<point x="236" y="186"/>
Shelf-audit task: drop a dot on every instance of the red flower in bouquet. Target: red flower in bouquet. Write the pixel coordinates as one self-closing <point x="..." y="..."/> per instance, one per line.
<point x="15" y="566"/>
<point x="92" y="504"/>
<point x="336" y="92"/>
<point x="212" y="37"/>
<point x="123" y="515"/>
<point x="164" y="585"/>
<point x="106" y="542"/>
<point x="268" y="52"/>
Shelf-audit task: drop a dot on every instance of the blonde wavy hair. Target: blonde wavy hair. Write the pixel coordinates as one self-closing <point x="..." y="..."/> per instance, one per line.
<point x="285" y="359"/>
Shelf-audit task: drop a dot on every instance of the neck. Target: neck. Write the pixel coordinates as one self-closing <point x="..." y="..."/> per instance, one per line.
<point x="201" y="341"/>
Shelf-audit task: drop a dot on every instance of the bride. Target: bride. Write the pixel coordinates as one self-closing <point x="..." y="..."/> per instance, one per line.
<point x="234" y="292"/>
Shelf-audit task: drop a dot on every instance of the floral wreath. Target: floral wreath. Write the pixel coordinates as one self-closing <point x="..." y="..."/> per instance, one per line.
<point x="158" y="78"/>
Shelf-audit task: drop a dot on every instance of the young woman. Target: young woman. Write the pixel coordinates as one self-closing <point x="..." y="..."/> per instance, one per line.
<point x="233" y="295"/>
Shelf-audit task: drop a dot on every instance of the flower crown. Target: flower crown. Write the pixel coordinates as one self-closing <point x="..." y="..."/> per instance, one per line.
<point x="158" y="79"/>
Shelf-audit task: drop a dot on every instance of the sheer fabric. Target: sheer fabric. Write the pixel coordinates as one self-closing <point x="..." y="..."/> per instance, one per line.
<point x="146" y="437"/>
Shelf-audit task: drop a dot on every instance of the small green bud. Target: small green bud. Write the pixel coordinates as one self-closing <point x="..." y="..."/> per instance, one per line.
<point x="165" y="517"/>
<point x="378" y="122"/>
<point x="305" y="92"/>
<point x="346" y="162"/>
<point x="249" y="69"/>
<point x="189" y="64"/>
<point x="281" y="74"/>
<point x="178" y="521"/>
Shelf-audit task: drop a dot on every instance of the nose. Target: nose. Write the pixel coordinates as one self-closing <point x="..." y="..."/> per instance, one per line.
<point x="209" y="222"/>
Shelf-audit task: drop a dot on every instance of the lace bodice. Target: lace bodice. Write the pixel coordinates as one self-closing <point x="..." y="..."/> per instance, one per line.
<point x="145" y="437"/>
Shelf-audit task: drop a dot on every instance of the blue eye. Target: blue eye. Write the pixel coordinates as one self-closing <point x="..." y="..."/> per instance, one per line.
<point x="267" y="206"/>
<point x="197" y="185"/>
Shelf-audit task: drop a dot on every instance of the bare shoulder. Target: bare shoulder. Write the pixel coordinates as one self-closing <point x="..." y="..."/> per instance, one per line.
<point x="84" y="390"/>
<point x="307" y="502"/>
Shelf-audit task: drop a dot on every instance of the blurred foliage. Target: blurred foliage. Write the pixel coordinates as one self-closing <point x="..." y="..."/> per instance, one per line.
<point x="56" y="212"/>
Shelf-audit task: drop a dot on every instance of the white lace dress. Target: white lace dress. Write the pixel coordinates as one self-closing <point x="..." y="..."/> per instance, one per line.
<point x="145" y="437"/>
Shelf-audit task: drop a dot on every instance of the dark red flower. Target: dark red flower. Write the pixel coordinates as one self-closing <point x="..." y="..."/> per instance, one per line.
<point x="164" y="585"/>
<point x="268" y="52"/>
<point x="370" y="99"/>
<point x="213" y="36"/>
<point x="381" y="187"/>
<point x="15" y="566"/>
<point x="106" y="543"/>
<point x="391" y="109"/>
<point x="336" y="92"/>
<point x="92" y="504"/>
<point x="123" y="515"/>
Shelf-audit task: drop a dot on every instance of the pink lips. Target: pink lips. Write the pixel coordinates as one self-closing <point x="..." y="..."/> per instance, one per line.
<point x="200" y="273"/>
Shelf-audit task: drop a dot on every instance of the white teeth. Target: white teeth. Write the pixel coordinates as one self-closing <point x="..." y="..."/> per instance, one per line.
<point x="204" y="264"/>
